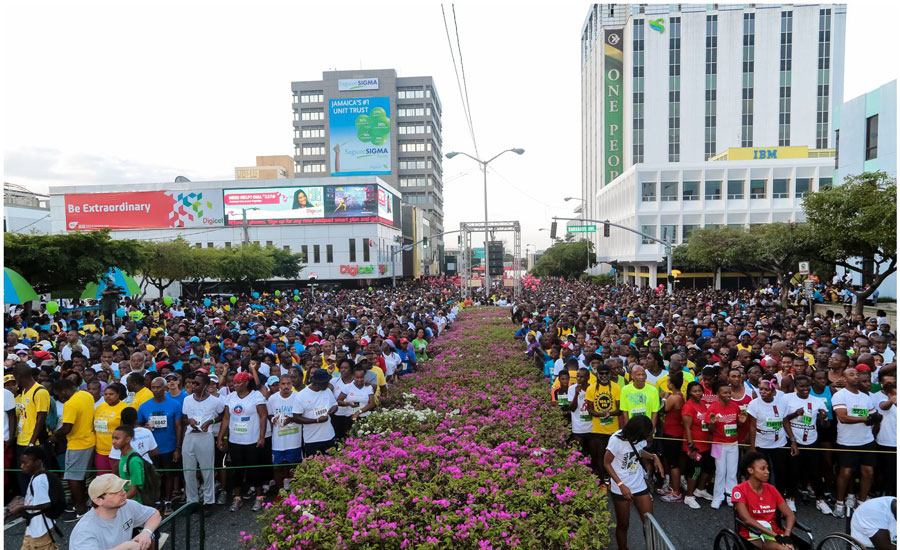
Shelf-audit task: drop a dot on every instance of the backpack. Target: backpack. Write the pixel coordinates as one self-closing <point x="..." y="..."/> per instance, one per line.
<point x="150" y="491"/>
<point x="57" y="495"/>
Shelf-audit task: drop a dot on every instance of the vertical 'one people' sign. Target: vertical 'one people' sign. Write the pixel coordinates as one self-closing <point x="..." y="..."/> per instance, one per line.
<point x="360" y="132"/>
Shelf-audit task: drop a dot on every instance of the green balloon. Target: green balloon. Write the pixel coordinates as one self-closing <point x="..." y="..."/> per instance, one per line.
<point x="233" y="299"/>
<point x="277" y="293"/>
<point x="167" y="300"/>
<point x="52" y="307"/>
<point x="296" y="298"/>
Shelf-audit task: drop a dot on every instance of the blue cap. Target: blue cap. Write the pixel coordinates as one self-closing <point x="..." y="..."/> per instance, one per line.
<point x="194" y="339"/>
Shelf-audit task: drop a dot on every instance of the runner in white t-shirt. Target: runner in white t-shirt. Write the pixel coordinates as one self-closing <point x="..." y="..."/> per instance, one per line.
<point x="874" y="523"/>
<point x="357" y="395"/>
<point x="317" y="403"/>
<point x="201" y="412"/>
<point x="854" y="413"/>
<point x="287" y="439"/>
<point x="804" y="413"/>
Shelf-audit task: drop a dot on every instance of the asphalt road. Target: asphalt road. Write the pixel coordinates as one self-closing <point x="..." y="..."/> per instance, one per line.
<point x="688" y="529"/>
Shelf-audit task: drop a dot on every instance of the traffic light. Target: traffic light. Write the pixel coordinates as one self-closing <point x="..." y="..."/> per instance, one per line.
<point x="495" y="258"/>
<point x="424" y="242"/>
<point x="553" y="230"/>
<point x="606" y="230"/>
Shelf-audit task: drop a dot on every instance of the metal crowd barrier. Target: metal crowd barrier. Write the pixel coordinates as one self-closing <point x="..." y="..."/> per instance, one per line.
<point x="654" y="535"/>
<point x="185" y="513"/>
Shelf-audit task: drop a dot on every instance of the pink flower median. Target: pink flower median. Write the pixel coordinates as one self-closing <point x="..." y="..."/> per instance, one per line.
<point x="466" y="453"/>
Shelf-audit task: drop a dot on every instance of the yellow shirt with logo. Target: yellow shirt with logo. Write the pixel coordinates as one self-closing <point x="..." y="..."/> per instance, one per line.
<point x="663" y="382"/>
<point x="604" y="398"/>
<point x="28" y="405"/>
<point x="106" y="419"/>
<point x="79" y="412"/>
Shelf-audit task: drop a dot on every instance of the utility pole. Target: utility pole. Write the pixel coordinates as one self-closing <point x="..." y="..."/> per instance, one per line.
<point x="246" y="225"/>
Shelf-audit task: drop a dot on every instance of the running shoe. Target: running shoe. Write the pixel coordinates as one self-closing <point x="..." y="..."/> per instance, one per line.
<point x="222" y="497"/>
<point x="672" y="497"/>
<point x="167" y="509"/>
<point x="792" y="505"/>
<point x="692" y="502"/>
<point x="257" y="505"/>
<point x="851" y="502"/>
<point x="665" y="489"/>
<point x="823" y="507"/>
<point x="728" y="501"/>
<point x="703" y="494"/>
<point x="236" y="505"/>
<point x="716" y="504"/>
<point x="838" y="510"/>
<point x="72" y="517"/>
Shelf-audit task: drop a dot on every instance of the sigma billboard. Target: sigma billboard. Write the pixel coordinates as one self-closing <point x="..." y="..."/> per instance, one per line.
<point x="142" y="210"/>
<point x="360" y="132"/>
<point x="312" y="204"/>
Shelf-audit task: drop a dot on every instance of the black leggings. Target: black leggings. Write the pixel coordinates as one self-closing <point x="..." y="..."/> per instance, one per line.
<point x="246" y="455"/>
<point x="778" y="467"/>
<point x="805" y="470"/>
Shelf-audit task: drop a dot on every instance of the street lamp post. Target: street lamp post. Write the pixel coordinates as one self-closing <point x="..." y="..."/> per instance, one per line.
<point x="246" y="226"/>
<point x="484" y="165"/>
<point x="583" y="215"/>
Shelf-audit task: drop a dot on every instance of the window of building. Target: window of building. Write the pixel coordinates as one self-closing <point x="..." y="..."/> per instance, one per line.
<point x="312" y="97"/>
<point x="690" y="191"/>
<point x="304" y="249"/>
<point x="637" y="118"/>
<point x="352" y="250"/>
<point x="674" y="90"/>
<point x="669" y="191"/>
<point x="784" y="89"/>
<point x="780" y="189"/>
<point x="329" y="253"/>
<point x="824" y="183"/>
<point x="735" y="189"/>
<point x="366" y="245"/>
<point x="296" y="133"/>
<point x="713" y="190"/>
<point x="757" y="189"/>
<point x="313" y="167"/>
<point x="269" y="243"/>
<point x="712" y="48"/>
<point x="210" y="245"/>
<point x="648" y="230"/>
<point x="316" y="257"/>
<point x="648" y="191"/>
<point x="872" y="137"/>
<point x="227" y="244"/>
<point x="314" y="149"/>
<point x="313" y="132"/>
<point x="668" y="233"/>
<point x="823" y="78"/>
<point x="286" y="248"/>
<point x="312" y="114"/>
<point x="802" y="187"/>
<point x="749" y="41"/>
<point x="686" y="231"/>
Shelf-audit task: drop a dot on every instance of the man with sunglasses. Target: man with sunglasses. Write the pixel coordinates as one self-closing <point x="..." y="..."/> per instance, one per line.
<point x="113" y="517"/>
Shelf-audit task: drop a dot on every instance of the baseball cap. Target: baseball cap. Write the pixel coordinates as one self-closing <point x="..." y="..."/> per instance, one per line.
<point x="242" y="376"/>
<point x="106" y="483"/>
<point x="42" y="355"/>
<point x="321" y="376"/>
<point x="12" y="357"/>
<point x="271" y="380"/>
<point x="9" y="378"/>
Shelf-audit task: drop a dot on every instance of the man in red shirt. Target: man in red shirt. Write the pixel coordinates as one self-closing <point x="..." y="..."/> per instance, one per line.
<point x="723" y="417"/>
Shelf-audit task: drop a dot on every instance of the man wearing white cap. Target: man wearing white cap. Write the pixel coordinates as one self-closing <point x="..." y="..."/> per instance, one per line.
<point x="109" y="524"/>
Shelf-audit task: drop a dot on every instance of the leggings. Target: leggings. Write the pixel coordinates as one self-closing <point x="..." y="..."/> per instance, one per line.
<point x="805" y="470"/>
<point x="246" y="455"/>
<point x="778" y="467"/>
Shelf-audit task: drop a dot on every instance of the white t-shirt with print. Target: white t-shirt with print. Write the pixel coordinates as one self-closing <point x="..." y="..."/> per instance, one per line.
<point x="581" y="420"/>
<point x="286" y="434"/>
<point x="243" y="421"/>
<point x="887" y="433"/>
<point x="9" y="404"/>
<point x="857" y="405"/>
<point x="770" y="432"/>
<point x="626" y="464"/>
<point x="143" y="442"/>
<point x="338" y="387"/>
<point x="37" y="493"/>
<point x="804" y="426"/>
<point x="202" y="411"/>
<point x="313" y="405"/>
<point x="359" y="396"/>
<point x="872" y="516"/>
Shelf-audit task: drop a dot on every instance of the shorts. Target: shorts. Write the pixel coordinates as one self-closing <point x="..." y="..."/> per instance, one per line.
<point x="43" y="542"/>
<point x="290" y="456"/>
<point x="854" y="456"/>
<point x="706" y="464"/>
<point x="620" y="498"/>
<point x="309" y="449"/>
<point x="164" y="461"/>
<point x="78" y="462"/>
<point x="103" y="464"/>
<point x="671" y="450"/>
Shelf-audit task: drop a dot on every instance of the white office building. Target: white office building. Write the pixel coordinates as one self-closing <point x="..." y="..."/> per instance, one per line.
<point x="668" y="87"/>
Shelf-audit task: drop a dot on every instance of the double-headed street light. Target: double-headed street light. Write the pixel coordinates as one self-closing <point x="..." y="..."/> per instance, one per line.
<point x="484" y="163"/>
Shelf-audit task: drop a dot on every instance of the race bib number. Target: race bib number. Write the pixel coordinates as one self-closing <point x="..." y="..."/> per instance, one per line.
<point x="563" y="401"/>
<point x="357" y="407"/>
<point x="730" y="430"/>
<point x="320" y="411"/>
<point x="198" y="420"/>
<point x="859" y="412"/>
<point x="585" y="417"/>
<point x="606" y="421"/>
<point x="806" y="420"/>
<point x="704" y="426"/>
<point x="159" y="422"/>
<point x="241" y="427"/>
<point x="101" y="426"/>
<point x="290" y="429"/>
<point x="773" y="423"/>
<point x="640" y="411"/>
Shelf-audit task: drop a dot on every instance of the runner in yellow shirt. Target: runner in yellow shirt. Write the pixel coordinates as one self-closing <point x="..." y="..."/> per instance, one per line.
<point x="602" y="399"/>
<point x="78" y="431"/>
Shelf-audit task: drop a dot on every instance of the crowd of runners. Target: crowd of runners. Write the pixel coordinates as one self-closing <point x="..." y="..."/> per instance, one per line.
<point x="208" y="401"/>
<point x="729" y="389"/>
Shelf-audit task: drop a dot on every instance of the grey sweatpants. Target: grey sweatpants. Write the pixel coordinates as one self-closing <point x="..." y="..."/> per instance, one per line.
<point x="198" y="451"/>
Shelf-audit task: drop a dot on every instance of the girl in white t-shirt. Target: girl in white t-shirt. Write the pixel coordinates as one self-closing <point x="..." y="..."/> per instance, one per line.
<point x="358" y="396"/>
<point x="623" y="461"/>
<point x="341" y="418"/>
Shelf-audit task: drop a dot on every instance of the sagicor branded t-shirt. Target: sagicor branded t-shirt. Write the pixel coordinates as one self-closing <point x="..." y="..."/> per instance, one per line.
<point x="243" y="423"/>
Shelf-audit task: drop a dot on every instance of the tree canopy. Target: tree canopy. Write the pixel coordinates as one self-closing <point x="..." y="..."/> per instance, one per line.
<point x="566" y="259"/>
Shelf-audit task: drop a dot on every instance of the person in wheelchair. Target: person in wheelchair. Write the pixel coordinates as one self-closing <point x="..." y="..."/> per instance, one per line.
<point x="756" y="504"/>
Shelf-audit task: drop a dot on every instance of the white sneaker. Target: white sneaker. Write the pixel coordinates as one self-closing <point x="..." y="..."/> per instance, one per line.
<point x="692" y="502"/>
<point x="716" y="504"/>
<point x="792" y="505"/>
<point x="683" y="485"/>
<point x="823" y="507"/>
<point x="851" y="502"/>
<point x="703" y="494"/>
<point x="728" y="501"/>
<point x="838" y="510"/>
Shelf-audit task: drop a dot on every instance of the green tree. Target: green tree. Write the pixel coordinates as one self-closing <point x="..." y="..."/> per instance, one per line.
<point x="167" y="262"/>
<point x="287" y="265"/>
<point x="855" y="227"/>
<point x="566" y="259"/>
<point x="779" y="248"/>
<point x="205" y="264"/>
<point x="714" y="248"/>
<point x="246" y="264"/>
<point x="69" y="261"/>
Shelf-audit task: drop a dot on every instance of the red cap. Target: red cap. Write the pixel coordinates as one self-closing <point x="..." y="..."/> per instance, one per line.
<point x="862" y="367"/>
<point x="242" y="376"/>
<point x="42" y="355"/>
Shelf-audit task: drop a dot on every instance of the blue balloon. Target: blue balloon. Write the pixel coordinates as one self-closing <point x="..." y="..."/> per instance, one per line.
<point x="296" y="291"/>
<point x="207" y="302"/>
<point x="120" y="312"/>
<point x="255" y="294"/>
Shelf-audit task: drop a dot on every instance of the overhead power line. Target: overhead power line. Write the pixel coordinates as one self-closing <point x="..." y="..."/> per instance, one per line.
<point x="462" y="69"/>
<point x="463" y="96"/>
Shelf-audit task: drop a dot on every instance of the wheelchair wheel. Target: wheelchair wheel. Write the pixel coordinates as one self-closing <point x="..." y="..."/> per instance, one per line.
<point x="729" y="540"/>
<point x="840" y="541"/>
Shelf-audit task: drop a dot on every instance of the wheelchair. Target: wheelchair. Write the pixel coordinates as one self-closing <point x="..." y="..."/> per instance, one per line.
<point x="729" y="539"/>
<point x="841" y="541"/>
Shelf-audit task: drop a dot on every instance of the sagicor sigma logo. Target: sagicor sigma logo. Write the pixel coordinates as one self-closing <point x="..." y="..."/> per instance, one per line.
<point x="238" y="409"/>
